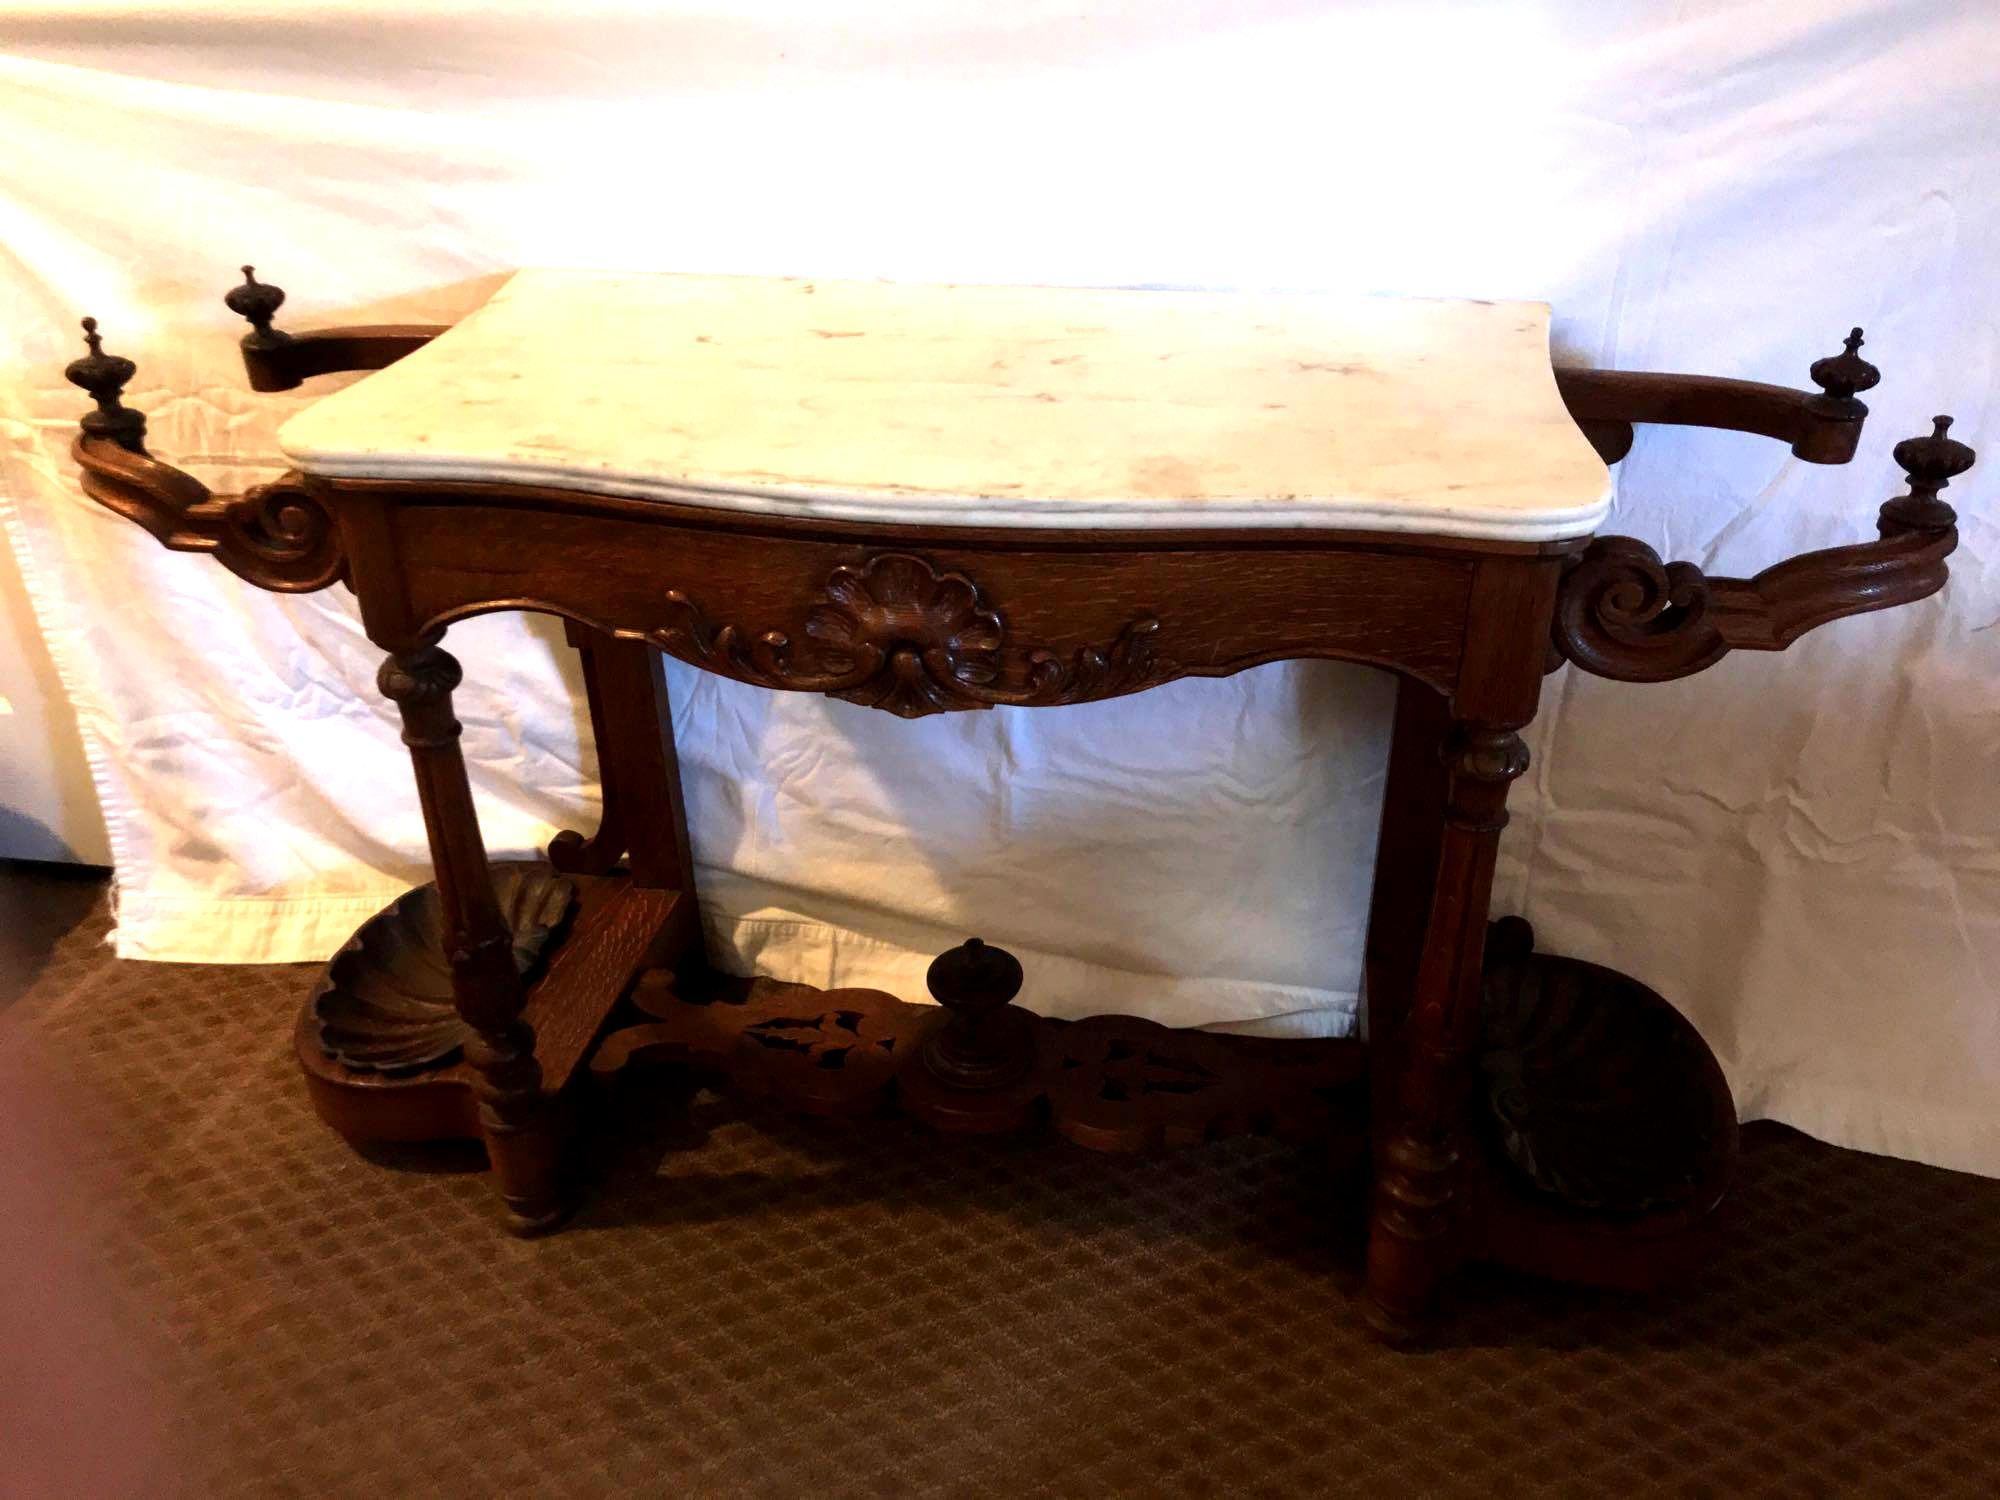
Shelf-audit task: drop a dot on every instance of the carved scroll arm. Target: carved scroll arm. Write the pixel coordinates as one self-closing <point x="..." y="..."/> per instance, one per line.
<point x="1622" y="613"/>
<point x="1822" y="427"/>
<point x="277" y="536"/>
<point x="280" y="361"/>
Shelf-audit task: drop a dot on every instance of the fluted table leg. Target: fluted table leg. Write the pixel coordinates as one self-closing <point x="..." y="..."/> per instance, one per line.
<point x="486" y="985"/>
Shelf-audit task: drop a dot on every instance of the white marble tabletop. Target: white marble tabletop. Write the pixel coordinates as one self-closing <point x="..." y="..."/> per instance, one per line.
<point x="985" y="405"/>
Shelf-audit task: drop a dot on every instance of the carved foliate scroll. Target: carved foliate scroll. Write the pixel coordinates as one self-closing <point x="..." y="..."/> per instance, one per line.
<point x="897" y="634"/>
<point x="1624" y="613"/>
<point x="279" y="536"/>
<point x="1621" y="612"/>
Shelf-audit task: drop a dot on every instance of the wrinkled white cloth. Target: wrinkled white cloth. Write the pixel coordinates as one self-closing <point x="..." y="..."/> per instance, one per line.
<point x="1802" y="851"/>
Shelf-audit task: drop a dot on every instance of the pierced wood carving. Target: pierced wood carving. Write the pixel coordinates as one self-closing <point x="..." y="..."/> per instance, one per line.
<point x="1117" y="1073"/>
<point x="897" y="634"/>
<point x="827" y="1057"/>
<point x="1111" y="1083"/>
<point x="1623" y="613"/>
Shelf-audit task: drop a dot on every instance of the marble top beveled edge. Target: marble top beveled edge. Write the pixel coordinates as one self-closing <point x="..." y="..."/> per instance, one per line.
<point x="1360" y="500"/>
<point x="974" y="511"/>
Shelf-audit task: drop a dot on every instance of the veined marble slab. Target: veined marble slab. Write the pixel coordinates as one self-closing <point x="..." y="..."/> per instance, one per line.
<point x="989" y="406"/>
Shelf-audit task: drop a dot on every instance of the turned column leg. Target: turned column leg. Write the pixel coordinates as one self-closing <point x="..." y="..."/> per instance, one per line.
<point x="486" y="985"/>
<point x="1422" y="1108"/>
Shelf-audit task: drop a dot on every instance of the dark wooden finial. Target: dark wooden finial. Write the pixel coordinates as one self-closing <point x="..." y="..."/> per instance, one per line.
<point x="982" y="1043"/>
<point x="258" y="301"/>
<point x="1842" y="376"/>
<point x="105" y="377"/>
<point x="1931" y="463"/>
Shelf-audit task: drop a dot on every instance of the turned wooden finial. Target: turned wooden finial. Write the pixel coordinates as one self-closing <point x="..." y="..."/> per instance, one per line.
<point x="1931" y="463"/>
<point x="259" y="302"/>
<point x="1841" y="376"/>
<point x="105" y="377"/>
<point x="983" y="1043"/>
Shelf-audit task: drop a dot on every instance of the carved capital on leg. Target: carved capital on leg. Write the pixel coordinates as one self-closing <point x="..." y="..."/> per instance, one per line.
<point x="1484" y="761"/>
<point x="420" y="683"/>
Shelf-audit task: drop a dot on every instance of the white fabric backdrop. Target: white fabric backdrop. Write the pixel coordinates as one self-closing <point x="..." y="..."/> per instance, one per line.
<point x="1804" y="852"/>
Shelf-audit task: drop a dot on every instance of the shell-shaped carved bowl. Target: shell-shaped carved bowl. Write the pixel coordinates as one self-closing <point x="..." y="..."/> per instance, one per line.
<point x="384" y="1005"/>
<point x="1598" y="1090"/>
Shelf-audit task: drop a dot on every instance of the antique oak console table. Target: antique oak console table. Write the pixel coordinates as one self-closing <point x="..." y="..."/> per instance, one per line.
<point x="931" y="499"/>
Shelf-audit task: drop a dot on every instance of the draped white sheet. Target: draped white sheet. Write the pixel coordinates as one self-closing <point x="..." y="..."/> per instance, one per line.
<point x="1802" y="851"/>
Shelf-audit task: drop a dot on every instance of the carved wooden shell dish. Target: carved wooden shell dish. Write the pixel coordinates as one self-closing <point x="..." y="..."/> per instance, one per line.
<point x="384" y="1004"/>
<point x="1599" y="1091"/>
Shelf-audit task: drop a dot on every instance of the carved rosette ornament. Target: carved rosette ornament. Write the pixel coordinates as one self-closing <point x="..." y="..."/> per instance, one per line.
<point x="913" y="633"/>
<point x="897" y="634"/>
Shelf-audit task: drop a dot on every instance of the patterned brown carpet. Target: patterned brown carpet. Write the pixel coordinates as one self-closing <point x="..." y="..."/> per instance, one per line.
<point x="751" y="1307"/>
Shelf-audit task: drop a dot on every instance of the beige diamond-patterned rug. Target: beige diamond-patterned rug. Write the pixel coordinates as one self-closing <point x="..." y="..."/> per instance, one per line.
<point x="748" y="1305"/>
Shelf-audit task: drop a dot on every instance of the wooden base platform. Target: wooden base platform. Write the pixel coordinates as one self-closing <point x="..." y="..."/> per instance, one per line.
<point x="1602" y="1153"/>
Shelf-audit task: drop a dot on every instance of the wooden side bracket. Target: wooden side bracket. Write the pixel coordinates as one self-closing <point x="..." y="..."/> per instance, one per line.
<point x="1622" y="613"/>
<point x="1823" y="428"/>
<point x="280" y="361"/>
<point x="277" y="535"/>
